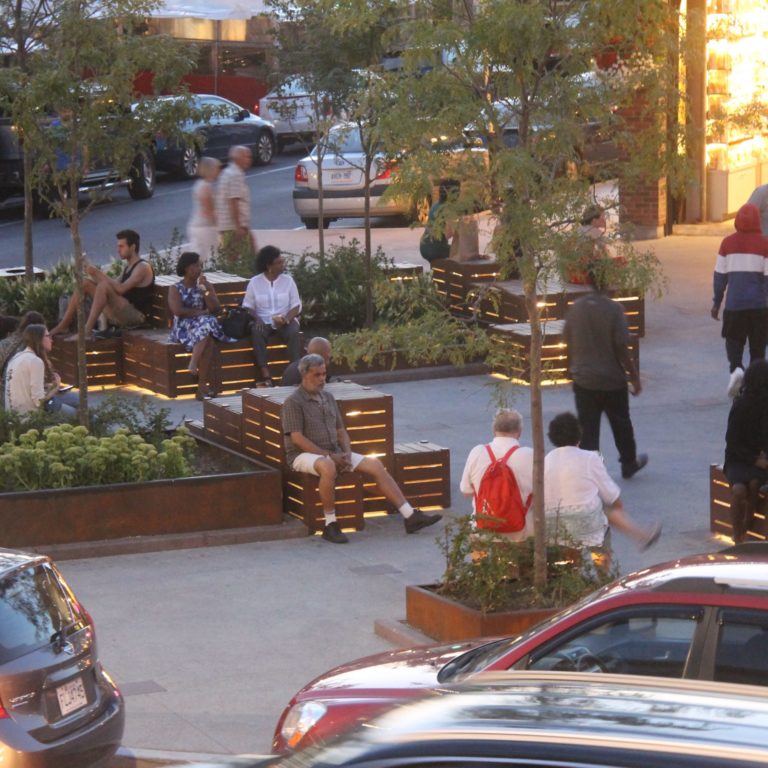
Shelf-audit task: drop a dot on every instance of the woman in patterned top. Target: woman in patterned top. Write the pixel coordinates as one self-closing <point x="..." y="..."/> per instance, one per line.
<point x="194" y="305"/>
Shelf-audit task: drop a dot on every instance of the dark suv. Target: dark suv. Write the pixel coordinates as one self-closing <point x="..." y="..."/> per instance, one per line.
<point x="58" y="706"/>
<point x="99" y="178"/>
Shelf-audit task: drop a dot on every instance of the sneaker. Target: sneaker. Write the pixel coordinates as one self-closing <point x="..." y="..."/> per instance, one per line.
<point x="653" y="537"/>
<point x="734" y="383"/>
<point x="633" y="467"/>
<point x="334" y="534"/>
<point x="419" y="520"/>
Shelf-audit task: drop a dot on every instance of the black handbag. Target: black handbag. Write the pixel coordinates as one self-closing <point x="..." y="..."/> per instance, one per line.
<point x="236" y="322"/>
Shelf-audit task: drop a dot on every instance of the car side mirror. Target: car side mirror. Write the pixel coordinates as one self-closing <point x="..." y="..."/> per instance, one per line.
<point x="242" y="114"/>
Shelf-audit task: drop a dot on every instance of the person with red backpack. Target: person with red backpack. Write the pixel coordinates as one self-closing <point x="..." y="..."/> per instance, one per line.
<point x="499" y="477"/>
<point x="581" y="499"/>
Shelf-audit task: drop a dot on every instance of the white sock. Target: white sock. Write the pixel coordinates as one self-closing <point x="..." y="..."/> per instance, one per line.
<point x="406" y="510"/>
<point x="330" y="517"/>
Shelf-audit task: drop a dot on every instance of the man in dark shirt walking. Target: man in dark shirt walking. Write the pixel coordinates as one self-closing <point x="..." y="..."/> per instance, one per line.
<point x="599" y="362"/>
<point x="317" y="442"/>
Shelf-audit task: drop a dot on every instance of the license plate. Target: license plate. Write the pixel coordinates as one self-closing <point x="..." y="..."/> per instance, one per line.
<point x="71" y="696"/>
<point x="341" y="176"/>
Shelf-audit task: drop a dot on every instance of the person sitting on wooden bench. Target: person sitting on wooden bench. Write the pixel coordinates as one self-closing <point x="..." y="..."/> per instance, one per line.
<point x="317" y="442"/>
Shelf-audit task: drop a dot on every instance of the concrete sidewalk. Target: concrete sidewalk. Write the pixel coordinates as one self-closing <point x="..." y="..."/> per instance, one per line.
<point x="209" y="644"/>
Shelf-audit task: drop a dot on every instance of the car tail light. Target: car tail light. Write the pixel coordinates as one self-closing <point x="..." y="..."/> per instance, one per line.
<point x="3" y="712"/>
<point x="255" y="109"/>
<point x="301" y="173"/>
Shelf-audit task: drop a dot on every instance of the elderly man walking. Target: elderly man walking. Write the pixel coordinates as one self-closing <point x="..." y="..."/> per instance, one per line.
<point x="317" y="442"/>
<point x="233" y="207"/>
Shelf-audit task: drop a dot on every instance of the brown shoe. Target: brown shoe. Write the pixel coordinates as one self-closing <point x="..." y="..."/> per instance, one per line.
<point x="419" y="520"/>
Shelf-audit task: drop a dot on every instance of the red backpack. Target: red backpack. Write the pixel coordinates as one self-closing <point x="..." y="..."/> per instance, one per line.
<point x="499" y="497"/>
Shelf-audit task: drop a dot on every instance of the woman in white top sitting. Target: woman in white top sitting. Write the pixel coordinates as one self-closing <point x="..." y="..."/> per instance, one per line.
<point x="30" y="382"/>
<point x="581" y="499"/>
<point x="202" y="232"/>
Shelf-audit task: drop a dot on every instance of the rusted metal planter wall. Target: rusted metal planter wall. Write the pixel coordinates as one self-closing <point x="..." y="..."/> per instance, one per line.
<point x="445" y="619"/>
<point x="184" y="505"/>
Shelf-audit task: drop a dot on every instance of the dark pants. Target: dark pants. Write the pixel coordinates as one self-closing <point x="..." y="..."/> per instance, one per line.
<point x="590" y="406"/>
<point x="288" y="333"/>
<point x="742" y="326"/>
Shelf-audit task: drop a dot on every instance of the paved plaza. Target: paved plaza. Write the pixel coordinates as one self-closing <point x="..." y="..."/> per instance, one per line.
<point x="209" y="644"/>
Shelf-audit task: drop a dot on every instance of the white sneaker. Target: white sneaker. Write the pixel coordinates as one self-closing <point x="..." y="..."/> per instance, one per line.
<point x="734" y="384"/>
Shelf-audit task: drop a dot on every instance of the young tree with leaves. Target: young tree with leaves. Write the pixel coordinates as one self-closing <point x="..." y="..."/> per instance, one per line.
<point x="73" y="106"/>
<point x="520" y="78"/>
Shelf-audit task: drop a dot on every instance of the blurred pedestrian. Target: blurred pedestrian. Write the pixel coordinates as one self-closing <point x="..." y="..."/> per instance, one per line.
<point x="202" y="232"/>
<point x="759" y="198"/>
<point x="233" y="208"/>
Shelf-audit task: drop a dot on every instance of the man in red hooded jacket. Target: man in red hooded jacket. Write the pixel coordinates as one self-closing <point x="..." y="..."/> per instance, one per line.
<point x="741" y="275"/>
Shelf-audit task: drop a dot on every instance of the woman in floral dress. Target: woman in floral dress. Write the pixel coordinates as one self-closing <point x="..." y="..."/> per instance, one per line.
<point x="194" y="305"/>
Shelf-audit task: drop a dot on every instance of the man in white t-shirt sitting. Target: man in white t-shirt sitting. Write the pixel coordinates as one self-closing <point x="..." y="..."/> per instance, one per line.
<point x="580" y="497"/>
<point x="507" y="428"/>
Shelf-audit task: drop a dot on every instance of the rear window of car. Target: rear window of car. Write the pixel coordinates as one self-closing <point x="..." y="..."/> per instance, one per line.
<point x="33" y="607"/>
<point x="345" y="141"/>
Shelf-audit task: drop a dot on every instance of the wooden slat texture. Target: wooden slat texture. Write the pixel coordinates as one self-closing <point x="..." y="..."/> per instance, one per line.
<point x="423" y="472"/>
<point x="103" y="360"/>
<point x="720" y="508"/>
<point x="302" y="500"/>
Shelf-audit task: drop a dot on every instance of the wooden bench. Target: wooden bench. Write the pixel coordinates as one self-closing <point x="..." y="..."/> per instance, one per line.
<point x="153" y="362"/>
<point x="230" y="290"/>
<point x="223" y="417"/>
<point x="720" y="508"/>
<point x="103" y="360"/>
<point x="515" y="339"/>
<point x="423" y="472"/>
<point x="455" y="279"/>
<point x="302" y="500"/>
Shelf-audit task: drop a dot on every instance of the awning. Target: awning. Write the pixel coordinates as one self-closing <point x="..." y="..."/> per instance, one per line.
<point x="219" y="10"/>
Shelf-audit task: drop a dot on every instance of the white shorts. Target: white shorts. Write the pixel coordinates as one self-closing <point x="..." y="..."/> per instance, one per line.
<point x="305" y="462"/>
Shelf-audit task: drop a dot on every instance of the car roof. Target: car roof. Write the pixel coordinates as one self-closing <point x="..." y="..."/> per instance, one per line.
<point x="571" y="712"/>
<point x="737" y="570"/>
<point x="11" y="559"/>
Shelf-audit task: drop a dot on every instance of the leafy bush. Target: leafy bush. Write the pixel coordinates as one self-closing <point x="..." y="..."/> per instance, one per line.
<point x="66" y="456"/>
<point x="164" y="263"/>
<point x="18" y="296"/>
<point x="490" y="573"/>
<point x="332" y="286"/>
<point x="413" y="322"/>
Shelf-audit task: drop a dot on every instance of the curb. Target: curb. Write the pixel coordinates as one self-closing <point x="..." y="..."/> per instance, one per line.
<point x="289" y="529"/>
<point x="150" y="758"/>
<point x="400" y="634"/>
<point x="414" y="374"/>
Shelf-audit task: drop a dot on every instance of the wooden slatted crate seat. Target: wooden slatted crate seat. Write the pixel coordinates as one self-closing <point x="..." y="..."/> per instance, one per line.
<point x="423" y="472"/>
<point x="516" y="341"/>
<point x="720" y="508"/>
<point x="223" y="421"/>
<point x="153" y="362"/>
<point x="230" y="290"/>
<point x="103" y="360"/>
<point x="454" y="279"/>
<point x="302" y="500"/>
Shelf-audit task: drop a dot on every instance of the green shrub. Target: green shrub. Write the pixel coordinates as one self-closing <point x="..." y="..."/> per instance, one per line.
<point x="18" y="296"/>
<point x="491" y="573"/>
<point x="332" y="286"/>
<point x="411" y="320"/>
<point x="66" y="456"/>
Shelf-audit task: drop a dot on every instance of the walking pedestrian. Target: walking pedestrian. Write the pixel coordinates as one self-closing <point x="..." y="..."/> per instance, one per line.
<point x="233" y="208"/>
<point x="202" y="233"/>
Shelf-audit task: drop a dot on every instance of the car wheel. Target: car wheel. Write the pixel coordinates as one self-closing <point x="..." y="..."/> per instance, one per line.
<point x="190" y="160"/>
<point x="265" y="148"/>
<point x="311" y="223"/>
<point x="142" y="184"/>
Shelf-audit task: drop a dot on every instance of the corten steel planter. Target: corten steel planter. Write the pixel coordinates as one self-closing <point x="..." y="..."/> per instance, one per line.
<point x="446" y="619"/>
<point x="232" y="499"/>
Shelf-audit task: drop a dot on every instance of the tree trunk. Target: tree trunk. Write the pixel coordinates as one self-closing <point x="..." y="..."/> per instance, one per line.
<point x="368" y="255"/>
<point x="29" y="212"/>
<point x="537" y="437"/>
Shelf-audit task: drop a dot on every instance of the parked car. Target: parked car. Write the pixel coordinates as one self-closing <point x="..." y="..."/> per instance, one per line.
<point x="344" y="181"/>
<point x="289" y="108"/>
<point x="556" y="720"/>
<point x="702" y="617"/>
<point x="58" y="705"/>
<point x="100" y="176"/>
<point x="221" y="124"/>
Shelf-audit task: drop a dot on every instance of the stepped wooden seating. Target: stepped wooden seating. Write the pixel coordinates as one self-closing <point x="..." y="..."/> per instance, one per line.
<point x="720" y="508"/>
<point x="421" y="468"/>
<point x="103" y="360"/>
<point x="515" y="339"/>
<point x="454" y="280"/>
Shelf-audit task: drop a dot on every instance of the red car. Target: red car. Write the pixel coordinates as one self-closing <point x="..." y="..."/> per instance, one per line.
<point x="701" y="617"/>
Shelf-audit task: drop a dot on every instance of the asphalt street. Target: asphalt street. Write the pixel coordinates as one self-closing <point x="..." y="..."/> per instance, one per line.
<point x="209" y="644"/>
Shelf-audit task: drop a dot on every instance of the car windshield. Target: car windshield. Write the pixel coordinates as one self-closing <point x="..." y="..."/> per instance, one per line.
<point x="33" y="608"/>
<point x="345" y="140"/>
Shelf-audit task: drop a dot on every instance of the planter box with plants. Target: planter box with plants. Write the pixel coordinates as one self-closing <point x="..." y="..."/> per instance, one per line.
<point x="65" y="485"/>
<point x="487" y="588"/>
